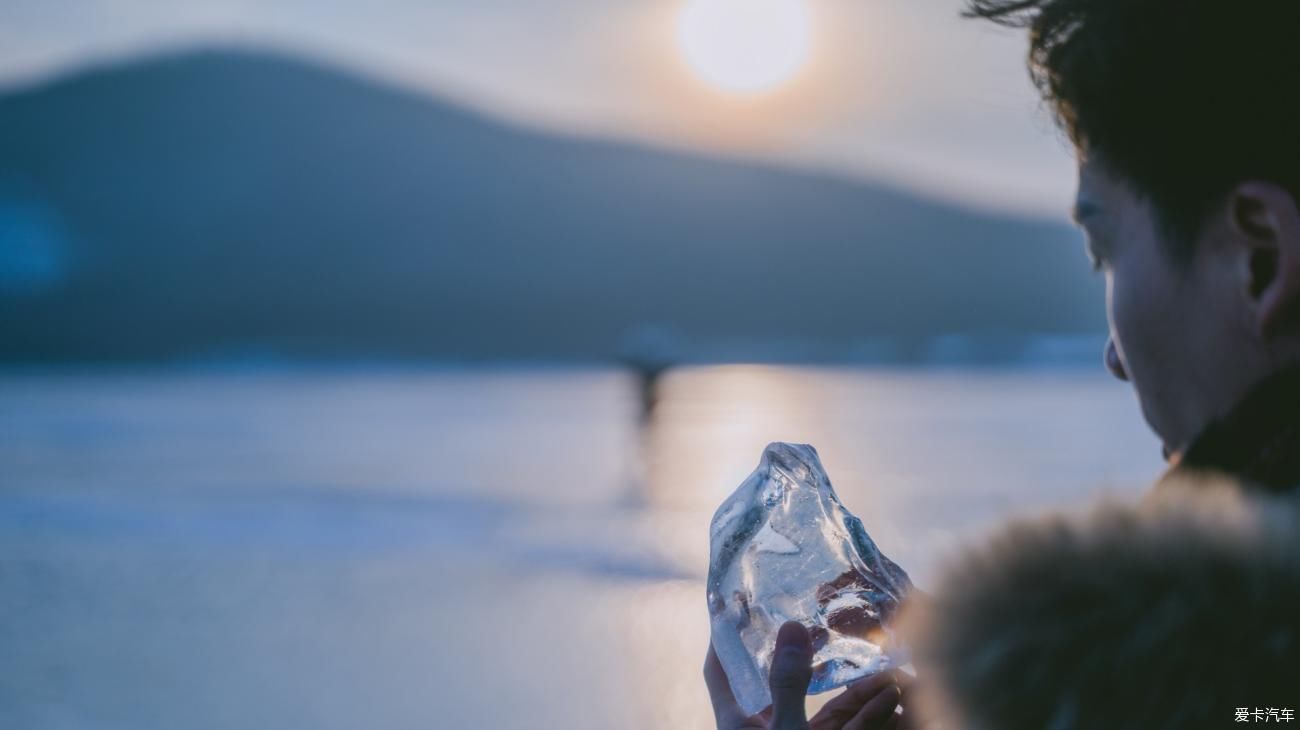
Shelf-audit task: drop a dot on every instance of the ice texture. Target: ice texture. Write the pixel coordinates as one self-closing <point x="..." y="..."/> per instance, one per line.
<point x="783" y="548"/>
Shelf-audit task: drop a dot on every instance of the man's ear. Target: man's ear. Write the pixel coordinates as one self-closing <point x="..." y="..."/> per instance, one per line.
<point x="1266" y="220"/>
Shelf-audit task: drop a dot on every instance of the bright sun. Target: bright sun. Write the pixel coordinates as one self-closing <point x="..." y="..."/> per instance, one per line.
<point x="744" y="46"/>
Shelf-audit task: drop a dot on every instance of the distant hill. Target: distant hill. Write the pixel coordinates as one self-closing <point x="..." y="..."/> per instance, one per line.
<point x="229" y="202"/>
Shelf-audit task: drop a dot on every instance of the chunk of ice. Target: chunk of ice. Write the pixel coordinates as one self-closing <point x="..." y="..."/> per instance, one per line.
<point x="783" y="548"/>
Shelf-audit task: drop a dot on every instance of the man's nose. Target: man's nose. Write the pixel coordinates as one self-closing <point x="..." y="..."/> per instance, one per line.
<point x="1113" y="363"/>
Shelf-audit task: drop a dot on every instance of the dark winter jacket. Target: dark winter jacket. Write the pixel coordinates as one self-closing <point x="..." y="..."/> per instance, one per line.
<point x="1180" y="611"/>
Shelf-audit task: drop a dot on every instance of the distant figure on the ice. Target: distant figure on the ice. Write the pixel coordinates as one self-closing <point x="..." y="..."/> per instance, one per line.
<point x="649" y="351"/>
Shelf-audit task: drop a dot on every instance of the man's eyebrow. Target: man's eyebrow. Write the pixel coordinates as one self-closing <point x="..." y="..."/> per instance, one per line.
<point x="1083" y="210"/>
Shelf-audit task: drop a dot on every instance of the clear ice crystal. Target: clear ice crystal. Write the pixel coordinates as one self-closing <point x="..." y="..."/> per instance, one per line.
<point x="783" y="548"/>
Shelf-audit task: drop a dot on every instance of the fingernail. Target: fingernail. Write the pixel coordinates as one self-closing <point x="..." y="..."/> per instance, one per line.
<point x="793" y="636"/>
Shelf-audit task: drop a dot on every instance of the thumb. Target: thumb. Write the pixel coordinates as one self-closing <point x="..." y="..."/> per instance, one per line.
<point x="789" y="677"/>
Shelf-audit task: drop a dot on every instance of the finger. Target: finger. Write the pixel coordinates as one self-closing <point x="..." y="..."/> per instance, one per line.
<point x="726" y="710"/>
<point x="907" y="721"/>
<point x="789" y="677"/>
<point x="848" y="702"/>
<point x="905" y="681"/>
<point x="906" y="685"/>
<point x="877" y="712"/>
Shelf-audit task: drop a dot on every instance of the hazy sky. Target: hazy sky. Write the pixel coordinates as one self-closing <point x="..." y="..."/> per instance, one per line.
<point x="900" y="90"/>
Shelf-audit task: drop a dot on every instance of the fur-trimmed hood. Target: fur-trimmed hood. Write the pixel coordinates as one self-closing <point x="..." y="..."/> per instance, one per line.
<point x="1177" y="612"/>
<point x="1171" y="613"/>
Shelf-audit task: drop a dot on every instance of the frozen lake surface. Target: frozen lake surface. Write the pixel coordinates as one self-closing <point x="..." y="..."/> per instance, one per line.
<point x="506" y="548"/>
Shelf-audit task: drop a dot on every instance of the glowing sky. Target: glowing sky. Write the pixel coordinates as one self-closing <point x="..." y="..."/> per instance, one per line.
<point x="899" y="90"/>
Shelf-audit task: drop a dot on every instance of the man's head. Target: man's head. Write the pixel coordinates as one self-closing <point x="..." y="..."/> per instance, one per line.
<point x="1184" y="117"/>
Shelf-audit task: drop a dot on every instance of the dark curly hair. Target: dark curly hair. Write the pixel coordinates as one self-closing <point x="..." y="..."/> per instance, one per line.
<point x="1182" y="98"/>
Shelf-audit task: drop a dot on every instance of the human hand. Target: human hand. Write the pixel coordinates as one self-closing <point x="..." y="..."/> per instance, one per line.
<point x="867" y="704"/>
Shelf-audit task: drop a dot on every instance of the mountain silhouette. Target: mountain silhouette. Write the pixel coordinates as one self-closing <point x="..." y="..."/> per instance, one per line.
<point x="226" y="201"/>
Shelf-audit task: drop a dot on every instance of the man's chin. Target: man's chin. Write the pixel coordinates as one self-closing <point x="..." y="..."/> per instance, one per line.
<point x="1170" y="454"/>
